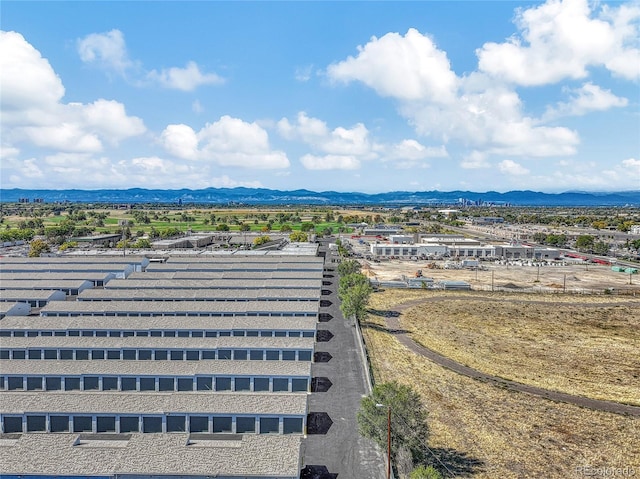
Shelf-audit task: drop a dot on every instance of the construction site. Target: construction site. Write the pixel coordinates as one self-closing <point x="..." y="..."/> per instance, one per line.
<point x="558" y="276"/>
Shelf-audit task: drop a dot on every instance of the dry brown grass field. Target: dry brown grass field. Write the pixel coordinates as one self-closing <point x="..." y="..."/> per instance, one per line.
<point x="486" y="432"/>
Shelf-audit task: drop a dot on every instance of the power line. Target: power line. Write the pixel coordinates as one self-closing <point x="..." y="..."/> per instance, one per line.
<point x="426" y="447"/>
<point x="409" y="428"/>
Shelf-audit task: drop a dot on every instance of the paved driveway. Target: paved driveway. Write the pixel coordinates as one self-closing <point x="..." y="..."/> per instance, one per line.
<point x="344" y="453"/>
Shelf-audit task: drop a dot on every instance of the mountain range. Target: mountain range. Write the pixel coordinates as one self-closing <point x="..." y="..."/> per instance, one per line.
<point x="262" y="196"/>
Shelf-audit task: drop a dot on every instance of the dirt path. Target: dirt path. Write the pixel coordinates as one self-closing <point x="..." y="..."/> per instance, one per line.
<point x="393" y="324"/>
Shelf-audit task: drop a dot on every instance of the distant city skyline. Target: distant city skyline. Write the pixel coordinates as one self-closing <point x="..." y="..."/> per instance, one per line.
<point x="342" y="96"/>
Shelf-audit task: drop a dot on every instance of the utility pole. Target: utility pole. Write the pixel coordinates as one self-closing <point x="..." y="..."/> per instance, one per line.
<point x="388" y="439"/>
<point x="388" y="442"/>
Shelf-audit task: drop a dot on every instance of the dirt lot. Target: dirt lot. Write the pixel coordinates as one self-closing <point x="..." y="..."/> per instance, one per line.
<point x="484" y="431"/>
<point x="578" y="278"/>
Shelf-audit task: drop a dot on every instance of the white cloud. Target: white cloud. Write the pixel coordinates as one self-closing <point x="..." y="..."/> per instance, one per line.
<point x="106" y="50"/>
<point x="303" y="74"/>
<point x="632" y="167"/>
<point x="330" y="162"/>
<point x="8" y="152"/>
<point x="584" y="100"/>
<point x="109" y="52"/>
<point x="180" y="141"/>
<point x="340" y="141"/>
<point x="197" y="107"/>
<point x="225" y="182"/>
<point x="16" y="170"/>
<point x="620" y="176"/>
<point x="413" y="151"/>
<point x="33" y="112"/>
<point x="408" y="67"/>
<point x="490" y="118"/>
<point x="185" y="79"/>
<point x="227" y="142"/>
<point x="476" y="109"/>
<point x="510" y="167"/>
<point x="110" y="120"/>
<point x="475" y="160"/>
<point x="562" y="39"/>
<point x="27" y="81"/>
<point x="65" y="136"/>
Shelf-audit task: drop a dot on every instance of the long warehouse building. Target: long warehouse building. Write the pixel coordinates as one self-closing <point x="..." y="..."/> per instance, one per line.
<point x="190" y="367"/>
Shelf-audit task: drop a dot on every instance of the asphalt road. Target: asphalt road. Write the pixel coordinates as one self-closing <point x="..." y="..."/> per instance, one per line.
<point x="340" y="449"/>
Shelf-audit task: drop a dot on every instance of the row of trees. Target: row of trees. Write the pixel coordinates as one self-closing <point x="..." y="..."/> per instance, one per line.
<point x="392" y="408"/>
<point x="354" y="290"/>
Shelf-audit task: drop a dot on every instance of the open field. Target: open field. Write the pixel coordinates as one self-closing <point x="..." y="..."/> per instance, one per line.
<point x="485" y="431"/>
<point x="585" y="348"/>
<point x="57" y="224"/>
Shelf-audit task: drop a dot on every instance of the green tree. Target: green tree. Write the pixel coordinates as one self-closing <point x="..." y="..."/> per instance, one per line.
<point x="298" y="237"/>
<point x="68" y="244"/>
<point x="245" y="227"/>
<point x="142" y="243"/>
<point x="328" y="231"/>
<point x="285" y="228"/>
<point x="354" y="291"/>
<point x="222" y="227"/>
<point x="307" y="227"/>
<point x="37" y="247"/>
<point x="540" y="238"/>
<point x="585" y="242"/>
<point x="260" y="240"/>
<point x="425" y="472"/>
<point x="408" y="419"/>
<point x="556" y="240"/>
<point x="600" y="247"/>
<point x="349" y="266"/>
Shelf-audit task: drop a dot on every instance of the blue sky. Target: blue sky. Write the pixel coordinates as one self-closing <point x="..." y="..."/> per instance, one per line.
<point x="345" y="96"/>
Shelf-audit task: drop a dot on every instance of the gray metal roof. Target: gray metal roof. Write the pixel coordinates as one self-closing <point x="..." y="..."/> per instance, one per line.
<point x="29" y="294"/>
<point x="86" y="275"/>
<point x="244" y="258"/>
<point x="77" y="259"/>
<point x="157" y="368"/>
<point x="163" y="294"/>
<point x="180" y="307"/>
<point x="157" y="283"/>
<point x="51" y="284"/>
<point x="256" y="455"/>
<point x="137" y="323"/>
<point x="223" y="267"/>
<point x="226" y="275"/>
<point x="135" y="342"/>
<point x="13" y="402"/>
<point x="64" y="268"/>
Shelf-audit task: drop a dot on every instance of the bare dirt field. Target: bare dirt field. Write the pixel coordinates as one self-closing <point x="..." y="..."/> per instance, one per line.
<point x="484" y="431"/>
<point x="578" y="278"/>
